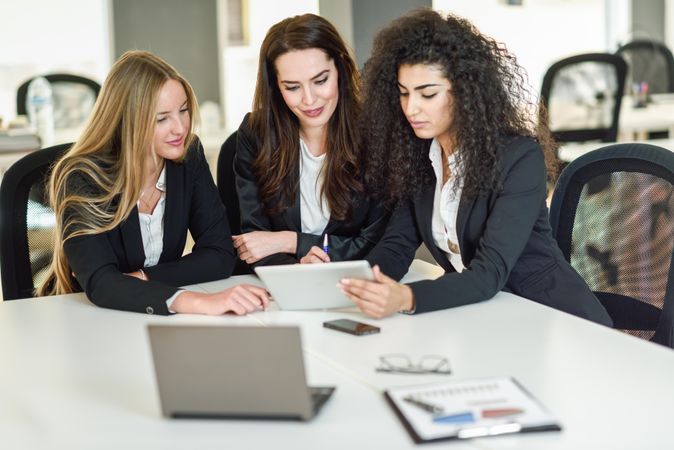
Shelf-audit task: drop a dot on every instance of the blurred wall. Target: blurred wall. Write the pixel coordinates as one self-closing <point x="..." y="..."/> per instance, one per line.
<point x="371" y="15"/>
<point x="184" y="33"/>
<point x="47" y="36"/>
<point x="647" y="20"/>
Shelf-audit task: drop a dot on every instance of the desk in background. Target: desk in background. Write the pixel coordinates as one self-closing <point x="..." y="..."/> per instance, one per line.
<point x="76" y="376"/>
<point x="211" y="142"/>
<point x="636" y="123"/>
<point x="569" y="152"/>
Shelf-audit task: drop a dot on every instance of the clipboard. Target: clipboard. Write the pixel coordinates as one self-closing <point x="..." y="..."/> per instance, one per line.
<point x="466" y="409"/>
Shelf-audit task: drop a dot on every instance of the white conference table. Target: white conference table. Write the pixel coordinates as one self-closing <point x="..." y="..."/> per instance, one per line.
<point x="75" y="376"/>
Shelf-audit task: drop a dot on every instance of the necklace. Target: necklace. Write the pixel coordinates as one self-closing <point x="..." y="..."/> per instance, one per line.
<point x="153" y="190"/>
<point x="150" y="201"/>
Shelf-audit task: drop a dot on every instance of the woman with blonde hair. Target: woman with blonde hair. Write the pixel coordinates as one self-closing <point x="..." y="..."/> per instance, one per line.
<point x="127" y="192"/>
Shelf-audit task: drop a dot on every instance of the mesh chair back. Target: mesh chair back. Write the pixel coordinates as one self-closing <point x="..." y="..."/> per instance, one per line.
<point x="73" y="97"/>
<point x="612" y="214"/>
<point x="26" y="223"/>
<point x="227" y="187"/>
<point x="651" y="62"/>
<point x="582" y="96"/>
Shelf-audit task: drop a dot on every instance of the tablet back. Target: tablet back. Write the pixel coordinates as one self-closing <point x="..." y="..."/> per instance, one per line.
<point x="311" y="286"/>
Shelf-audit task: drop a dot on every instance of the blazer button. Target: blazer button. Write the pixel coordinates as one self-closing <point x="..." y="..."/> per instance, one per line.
<point x="149" y="310"/>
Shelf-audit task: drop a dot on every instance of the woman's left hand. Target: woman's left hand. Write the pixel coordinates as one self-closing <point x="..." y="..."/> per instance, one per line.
<point x="315" y="255"/>
<point x="256" y="245"/>
<point x="379" y="298"/>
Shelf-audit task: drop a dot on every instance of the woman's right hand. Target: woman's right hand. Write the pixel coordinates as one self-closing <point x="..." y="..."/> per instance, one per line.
<point x="315" y="255"/>
<point x="240" y="300"/>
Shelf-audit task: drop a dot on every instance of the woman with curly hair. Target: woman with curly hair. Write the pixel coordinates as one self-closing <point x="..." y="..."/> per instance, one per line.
<point x="452" y="140"/>
<point x="298" y="154"/>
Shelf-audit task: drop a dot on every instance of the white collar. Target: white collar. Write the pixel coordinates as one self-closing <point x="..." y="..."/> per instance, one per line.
<point x="161" y="181"/>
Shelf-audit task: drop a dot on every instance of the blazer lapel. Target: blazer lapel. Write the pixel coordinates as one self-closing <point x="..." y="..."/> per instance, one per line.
<point x="465" y="205"/>
<point x="172" y="205"/>
<point x="132" y="240"/>
<point x="424" y="213"/>
<point x="291" y="215"/>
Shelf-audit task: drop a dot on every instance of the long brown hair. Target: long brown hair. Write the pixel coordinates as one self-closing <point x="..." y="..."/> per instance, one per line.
<point x="278" y="130"/>
<point x="96" y="184"/>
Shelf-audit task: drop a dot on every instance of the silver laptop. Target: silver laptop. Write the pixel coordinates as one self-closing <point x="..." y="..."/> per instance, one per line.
<point x="311" y="286"/>
<point x="233" y="372"/>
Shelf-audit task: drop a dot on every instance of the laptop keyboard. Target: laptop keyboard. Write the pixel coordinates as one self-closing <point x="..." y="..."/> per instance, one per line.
<point x="320" y="395"/>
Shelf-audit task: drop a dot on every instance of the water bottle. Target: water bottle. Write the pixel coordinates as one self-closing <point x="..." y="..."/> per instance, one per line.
<point x="40" y="107"/>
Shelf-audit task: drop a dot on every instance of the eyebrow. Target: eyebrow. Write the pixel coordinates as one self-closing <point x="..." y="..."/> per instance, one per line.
<point x="166" y="112"/>
<point x="320" y="74"/>
<point x="422" y="87"/>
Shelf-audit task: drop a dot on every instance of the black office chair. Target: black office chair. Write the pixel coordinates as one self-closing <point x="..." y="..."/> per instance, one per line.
<point x="581" y="97"/>
<point x="612" y="214"/>
<point x="649" y="61"/>
<point x="227" y="188"/>
<point x="74" y="97"/>
<point x="26" y="223"/>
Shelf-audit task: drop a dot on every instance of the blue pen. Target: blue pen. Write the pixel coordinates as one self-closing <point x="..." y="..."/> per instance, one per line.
<point x="463" y="417"/>
<point x="325" y="243"/>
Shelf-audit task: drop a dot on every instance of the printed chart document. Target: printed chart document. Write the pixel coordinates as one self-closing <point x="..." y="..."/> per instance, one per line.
<point x="468" y="408"/>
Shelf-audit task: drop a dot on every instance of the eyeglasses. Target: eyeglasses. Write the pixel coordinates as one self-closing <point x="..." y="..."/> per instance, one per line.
<point x="401" y="363"/>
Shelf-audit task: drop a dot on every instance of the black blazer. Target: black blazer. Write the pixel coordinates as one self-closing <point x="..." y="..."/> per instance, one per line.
<point x="347" y="240"/>
<point x="505" y="241"/>
<point x="100" y="261"/>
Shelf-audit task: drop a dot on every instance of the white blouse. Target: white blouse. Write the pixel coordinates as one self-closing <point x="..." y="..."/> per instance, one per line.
<point x="152" y="225"/>
<point x="314" y="214"/>
<point x="446" y="207"/>
<point x="152" y="231"/>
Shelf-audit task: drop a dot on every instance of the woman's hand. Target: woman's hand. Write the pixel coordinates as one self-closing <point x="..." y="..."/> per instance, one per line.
<point x="315" y="255"/>
<point x="379" y="298"/>
<point x="140" y="274"/>
<point x="240" y="299"/>
<point x="256" y="245"/>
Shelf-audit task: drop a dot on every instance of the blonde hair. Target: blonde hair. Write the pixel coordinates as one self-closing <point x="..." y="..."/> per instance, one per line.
<point x="95" y="185"/>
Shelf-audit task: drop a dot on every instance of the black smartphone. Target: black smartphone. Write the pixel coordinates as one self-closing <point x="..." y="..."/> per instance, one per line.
<point x="351" y="327"/>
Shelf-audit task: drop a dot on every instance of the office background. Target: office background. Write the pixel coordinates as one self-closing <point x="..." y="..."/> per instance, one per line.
<point x="214" y="43"/>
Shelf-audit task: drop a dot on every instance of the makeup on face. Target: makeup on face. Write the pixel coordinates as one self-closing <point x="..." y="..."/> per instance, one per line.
<point x="172" y="121"/>
<point x="308" y="82"/>
<point x="426" y="100"/>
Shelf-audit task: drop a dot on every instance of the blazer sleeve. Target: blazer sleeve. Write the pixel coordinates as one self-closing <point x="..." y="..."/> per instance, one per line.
<point x="345" y="248"/>
<point x="212" y="256"/>
<point x="96" y="269"/>
<point x="506" y="233"/>
<point x="396" y="249"/>
<point x="253" y="216"/>
<point x="94" y="262"/>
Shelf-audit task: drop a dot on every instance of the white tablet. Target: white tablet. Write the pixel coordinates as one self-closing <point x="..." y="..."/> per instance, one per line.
<point x="311" y="286"/>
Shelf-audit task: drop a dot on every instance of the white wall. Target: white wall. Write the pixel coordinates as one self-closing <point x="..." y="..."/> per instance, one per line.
<point x="240" y="62"/>
<point x="70" y="36"/>
<point x="669" y="23"/>
<point x="539" y="32"/>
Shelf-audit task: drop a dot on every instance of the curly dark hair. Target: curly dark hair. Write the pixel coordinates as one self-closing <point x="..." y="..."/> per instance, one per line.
<point x="491" y="102"/>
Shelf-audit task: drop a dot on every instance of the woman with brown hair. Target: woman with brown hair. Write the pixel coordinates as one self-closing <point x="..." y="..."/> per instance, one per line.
<point x="127" y="192"/>
<point x="298" y="162"/>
